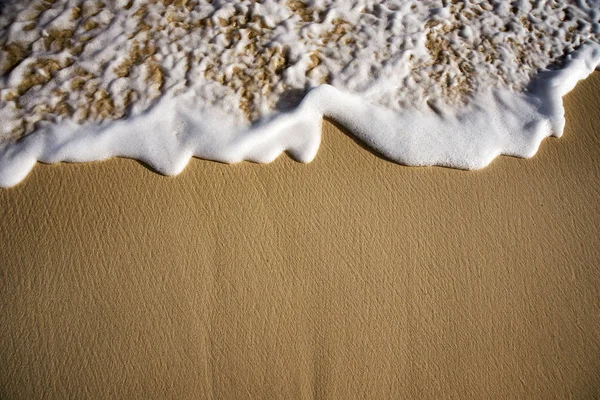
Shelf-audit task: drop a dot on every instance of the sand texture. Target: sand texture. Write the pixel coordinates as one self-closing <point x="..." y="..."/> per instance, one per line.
<point x="350" y="277"/>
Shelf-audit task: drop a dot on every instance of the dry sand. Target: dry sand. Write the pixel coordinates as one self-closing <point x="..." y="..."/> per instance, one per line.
<point x="351" y="277"/>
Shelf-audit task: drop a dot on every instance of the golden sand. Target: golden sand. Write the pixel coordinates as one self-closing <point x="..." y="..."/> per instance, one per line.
<point x="351" y="277"/>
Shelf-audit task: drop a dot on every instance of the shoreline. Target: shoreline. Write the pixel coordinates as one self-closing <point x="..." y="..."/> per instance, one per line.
<point x="496" y="122"/>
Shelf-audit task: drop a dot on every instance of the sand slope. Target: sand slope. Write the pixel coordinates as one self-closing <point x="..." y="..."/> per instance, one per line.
<point x="351" y="277"/>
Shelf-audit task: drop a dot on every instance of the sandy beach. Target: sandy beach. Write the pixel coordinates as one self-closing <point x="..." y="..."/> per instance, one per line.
<point x="350" y="277"/>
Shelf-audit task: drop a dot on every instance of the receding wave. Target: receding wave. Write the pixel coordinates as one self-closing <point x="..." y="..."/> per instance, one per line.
<point x="453" y="83"/>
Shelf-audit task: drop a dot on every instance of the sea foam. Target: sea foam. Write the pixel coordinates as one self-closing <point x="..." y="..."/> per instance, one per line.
<point x="394" y="74"/>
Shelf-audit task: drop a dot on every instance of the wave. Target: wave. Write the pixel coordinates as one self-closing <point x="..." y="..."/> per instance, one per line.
<point x="431" y="82"/>
<point x="168" y="135"/>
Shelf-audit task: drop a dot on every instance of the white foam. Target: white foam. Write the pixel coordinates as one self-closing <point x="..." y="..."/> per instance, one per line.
<point x="421" y="82"/>
<point x="167" y="136"/>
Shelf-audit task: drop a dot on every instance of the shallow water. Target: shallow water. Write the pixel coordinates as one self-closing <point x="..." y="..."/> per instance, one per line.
<point x="423" y="82"/>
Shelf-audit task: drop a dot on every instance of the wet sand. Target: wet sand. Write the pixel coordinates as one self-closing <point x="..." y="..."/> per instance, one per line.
<point x="350" y="277"/>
